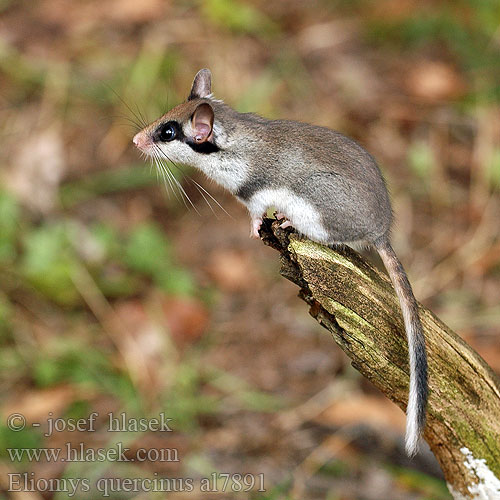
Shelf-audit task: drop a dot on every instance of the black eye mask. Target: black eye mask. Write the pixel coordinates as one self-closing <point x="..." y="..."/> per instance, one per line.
<point x="169" y="131"/>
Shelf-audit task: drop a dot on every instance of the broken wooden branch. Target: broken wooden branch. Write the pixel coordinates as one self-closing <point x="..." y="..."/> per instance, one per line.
<point x="357" y="304"/>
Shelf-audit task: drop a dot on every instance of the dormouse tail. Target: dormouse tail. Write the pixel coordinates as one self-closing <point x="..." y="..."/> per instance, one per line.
<point x="417" y="398"/>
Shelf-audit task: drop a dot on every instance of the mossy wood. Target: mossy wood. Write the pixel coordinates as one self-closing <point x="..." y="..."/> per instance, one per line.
<point x="358" y="305"/>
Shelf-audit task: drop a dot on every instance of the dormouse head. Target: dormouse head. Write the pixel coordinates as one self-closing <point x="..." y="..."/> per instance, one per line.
<point x="186" y="131"/>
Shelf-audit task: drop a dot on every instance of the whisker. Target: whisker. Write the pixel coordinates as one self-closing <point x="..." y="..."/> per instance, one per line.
<point x="166" y="179"/>
<point x="177" y="183"/>
<point x="198" y="187"/>
<point x="161" y="156"/>
<point x="206" y="200"/>
<point x="123" y="121"/>
<point x="123" y="116"/>
<point x="181" y="189"/>
<point x="166" y="175"/>
<point x="185" y="194"/>
<point x="157" y="172"/>
<point x="139" y="119"/>
<point x="144" y="119"/>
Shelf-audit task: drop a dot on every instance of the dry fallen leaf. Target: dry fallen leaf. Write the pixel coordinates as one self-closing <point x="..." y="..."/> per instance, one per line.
<point x="35" y="405"/>
<point x="142" y="344"/>
<point x="37" y="168"/>
<point x="186" y="318"/>
<point x="364" y="409"/>
<point x="432" y="80"/>
<point x="232" y="270"/>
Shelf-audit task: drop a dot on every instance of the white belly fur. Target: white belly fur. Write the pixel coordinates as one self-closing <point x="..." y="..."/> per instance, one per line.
<point x="302" y="214"/>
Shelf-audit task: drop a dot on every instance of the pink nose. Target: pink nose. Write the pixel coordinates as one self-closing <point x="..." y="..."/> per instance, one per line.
<point x="142" y="140"/>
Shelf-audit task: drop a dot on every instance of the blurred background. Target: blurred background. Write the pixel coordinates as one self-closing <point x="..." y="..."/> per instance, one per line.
<point x="119" y="295"/>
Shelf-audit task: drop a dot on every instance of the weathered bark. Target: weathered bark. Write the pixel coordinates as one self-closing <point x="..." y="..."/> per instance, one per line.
<point x="357" y="304"/>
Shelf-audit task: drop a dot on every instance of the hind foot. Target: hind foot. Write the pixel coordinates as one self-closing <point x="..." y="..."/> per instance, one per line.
<point x="255" y="225"/>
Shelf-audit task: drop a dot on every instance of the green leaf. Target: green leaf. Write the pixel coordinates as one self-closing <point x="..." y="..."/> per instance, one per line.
<point x="421" y="159"/>
<point x="176" y="281"/>
<point x="68" y="360"/>
<point x="104" y="182"/>
<point x="147" y="250"/>
<point x="11" y="361"/>
<point x="9" y="222"/>
<point x="5" y="316"/>
<point x="49" y="262"/>
<point x="494" y="169"/>
<point x="239" y="17"/>
<point x="27" y="438"/>
<point x="107" y="238"/>
<point x="186" y="400"/>
<point x="258" y="96"/>
<point x="429" y="486"/>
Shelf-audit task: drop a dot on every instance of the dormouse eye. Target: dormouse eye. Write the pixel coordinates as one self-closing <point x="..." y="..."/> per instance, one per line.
<point x="167" y="132"/>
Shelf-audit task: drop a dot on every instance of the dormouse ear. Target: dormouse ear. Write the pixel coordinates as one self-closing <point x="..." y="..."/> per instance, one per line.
<point x="202" y="122"/>
<point x="202" y="84"/>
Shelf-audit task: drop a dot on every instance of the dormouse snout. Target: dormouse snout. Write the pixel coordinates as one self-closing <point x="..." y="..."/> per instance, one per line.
<point x="143" y="141"/>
